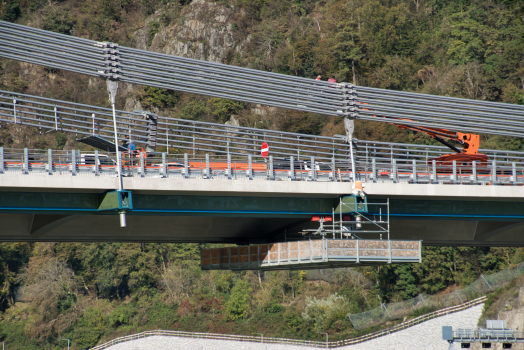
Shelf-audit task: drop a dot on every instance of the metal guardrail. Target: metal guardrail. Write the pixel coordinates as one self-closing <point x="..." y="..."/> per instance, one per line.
<point x="285" y="341"/>
<point x="235" y="167"/>
<point x="119" y="63"/>
<point x="198" y="137"/>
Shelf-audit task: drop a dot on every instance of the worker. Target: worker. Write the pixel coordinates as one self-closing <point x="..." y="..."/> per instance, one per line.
<point x="332" y="79"/>
<point x="318" y="77"/>
<point x="358" y="189"/>
<point x="131" y="149"/>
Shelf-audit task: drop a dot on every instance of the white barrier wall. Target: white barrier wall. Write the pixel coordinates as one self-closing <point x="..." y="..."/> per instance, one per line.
<point x="426" y="335"/>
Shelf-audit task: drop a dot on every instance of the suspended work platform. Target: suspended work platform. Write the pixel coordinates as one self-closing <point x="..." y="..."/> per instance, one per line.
<point x="312" y="254"/>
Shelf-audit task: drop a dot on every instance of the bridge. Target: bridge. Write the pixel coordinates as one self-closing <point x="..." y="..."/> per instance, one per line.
<point x="221" y="189"/>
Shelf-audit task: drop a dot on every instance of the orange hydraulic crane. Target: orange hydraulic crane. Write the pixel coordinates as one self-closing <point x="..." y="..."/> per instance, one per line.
<point x="464" y="157"/>
<point x="469" y="152"/>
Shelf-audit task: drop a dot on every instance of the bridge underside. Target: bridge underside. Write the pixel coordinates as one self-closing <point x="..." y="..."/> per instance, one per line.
<point x="41" y="216"/>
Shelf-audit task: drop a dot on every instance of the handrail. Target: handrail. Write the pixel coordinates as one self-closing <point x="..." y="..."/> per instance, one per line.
<point x="311" y="343"/>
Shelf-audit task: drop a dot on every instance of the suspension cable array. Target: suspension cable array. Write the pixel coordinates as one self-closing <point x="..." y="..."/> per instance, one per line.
<point x="194" y="136"/>
<point x="111" y="61"/>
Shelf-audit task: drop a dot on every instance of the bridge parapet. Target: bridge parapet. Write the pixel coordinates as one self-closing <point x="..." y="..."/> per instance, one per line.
<point x="238" y="167"/>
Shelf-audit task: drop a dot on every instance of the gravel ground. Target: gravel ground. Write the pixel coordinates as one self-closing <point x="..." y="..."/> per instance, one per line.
<point x="427" y="335"/>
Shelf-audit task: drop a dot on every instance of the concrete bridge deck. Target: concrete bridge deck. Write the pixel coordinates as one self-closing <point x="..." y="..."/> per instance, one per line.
<point x="65" y="208"/>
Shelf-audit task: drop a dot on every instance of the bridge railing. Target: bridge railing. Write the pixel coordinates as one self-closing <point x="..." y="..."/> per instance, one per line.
<point x="246" y="167"/>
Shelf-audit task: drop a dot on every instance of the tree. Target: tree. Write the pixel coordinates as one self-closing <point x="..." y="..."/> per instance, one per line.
<point x="238" y="305"/>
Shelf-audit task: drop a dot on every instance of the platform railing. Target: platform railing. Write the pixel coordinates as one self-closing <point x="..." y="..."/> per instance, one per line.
<point x="238" y="167"/>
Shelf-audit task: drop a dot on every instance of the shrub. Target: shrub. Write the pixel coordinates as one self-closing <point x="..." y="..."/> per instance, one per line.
<point x="238" y="305"/>
<point x="324" y="312"/>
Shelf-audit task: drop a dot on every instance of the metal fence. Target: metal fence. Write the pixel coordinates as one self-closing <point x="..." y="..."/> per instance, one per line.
<point x="392" y="311"/>
<point x="198" y="138"/>
<point x="242" y="167"/>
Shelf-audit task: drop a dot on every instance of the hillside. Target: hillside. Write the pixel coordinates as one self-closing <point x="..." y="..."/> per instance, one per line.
<point x="91" y="292"/>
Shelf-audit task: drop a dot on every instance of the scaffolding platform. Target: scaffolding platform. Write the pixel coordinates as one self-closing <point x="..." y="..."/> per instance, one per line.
<point x="312" y="254"/>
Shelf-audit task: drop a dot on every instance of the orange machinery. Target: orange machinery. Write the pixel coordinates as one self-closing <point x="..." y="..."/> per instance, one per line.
<point x="463" y="158"/>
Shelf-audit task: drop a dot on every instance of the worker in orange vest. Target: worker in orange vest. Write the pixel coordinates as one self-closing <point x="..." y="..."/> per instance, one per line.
<point x="358" y="189"/>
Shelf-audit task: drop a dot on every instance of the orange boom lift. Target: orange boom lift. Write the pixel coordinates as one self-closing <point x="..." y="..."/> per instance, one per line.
<point x="464" y="157"/>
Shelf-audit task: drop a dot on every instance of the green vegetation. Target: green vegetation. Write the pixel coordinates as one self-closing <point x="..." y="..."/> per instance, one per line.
<point x="92" y="292"/>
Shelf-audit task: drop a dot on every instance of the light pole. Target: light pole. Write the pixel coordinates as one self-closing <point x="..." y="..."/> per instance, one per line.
<point x="261" y="337"/>
<point x="326" y="338"/>
<point x="68" y="342"/>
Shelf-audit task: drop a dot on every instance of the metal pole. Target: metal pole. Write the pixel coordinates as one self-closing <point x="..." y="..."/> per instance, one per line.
<point x="112" y="88"/>
<point x="352" y="160"/>
<point x="388" y="219"/>
<point x="56" y="119"/>
<point x="486" y="282"/>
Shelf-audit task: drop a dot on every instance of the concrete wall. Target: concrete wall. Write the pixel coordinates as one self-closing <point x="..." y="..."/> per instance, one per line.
<point x="427" y="336"/>
<point x="56" y="182"/>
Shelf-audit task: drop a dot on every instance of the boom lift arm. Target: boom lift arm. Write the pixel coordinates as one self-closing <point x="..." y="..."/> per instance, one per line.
<point x="471" y="142"/>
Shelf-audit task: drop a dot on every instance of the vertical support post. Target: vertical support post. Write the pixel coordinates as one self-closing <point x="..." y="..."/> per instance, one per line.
<point x="422" y="298"/>
<point x="112" y="88"/>
<point x="56" y="119"/>
<point x="474" y="172"/>
<point x="434" y="171"/>
<point x="164" y="165"/>
<point x="414" y="171"/>
<point x="389" y="247"/>
<point x="50" y="161"/>
<point x="2" y="164"/>
<point x="25" y="168"/>
<point x="373" y="169"/>
<point x="514" y="173"/>
<point x="291" y="168"/>
<point x="486" y="282"/>
<point x="454" y="178"/>
<point x="250" y="167"/>
<point x="461" y="301"/>
<point x="271" y="172"/>
<point x="94" y="130"/>
<point x="97" y="164"/>
<point x="394" y="170"/>
<point x="313" y="168"/>
<point x="494" y="171"/>
<point x="333" y="169"/>
<point x="73" y="162"/>
<point x="142" y="165"/>
<point x="208" y="175"/>
<point x="229" y="175"/>
<point x="119" y="162"/>
<point x="186" y="165"/>
<point x="388" y="219"/>
<point x="14" y="108"/>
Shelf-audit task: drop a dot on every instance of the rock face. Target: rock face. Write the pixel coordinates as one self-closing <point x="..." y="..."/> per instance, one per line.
<point x="203" y="32"/>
